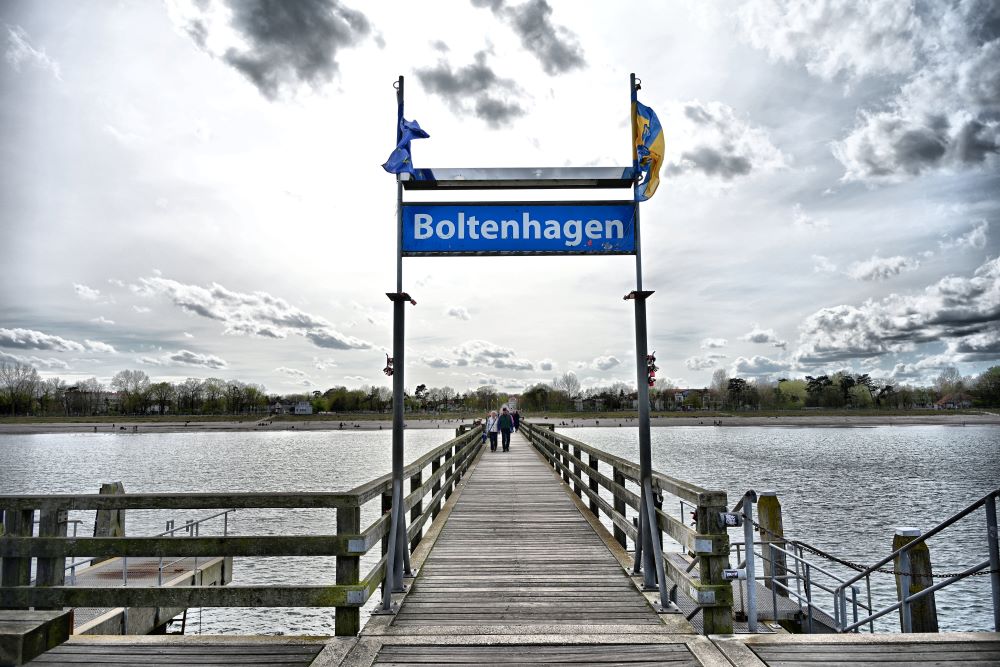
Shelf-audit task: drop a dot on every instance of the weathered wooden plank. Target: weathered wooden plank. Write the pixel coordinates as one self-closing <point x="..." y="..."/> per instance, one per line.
<point x="207" y="547"/>
<point x="188" y="596"/>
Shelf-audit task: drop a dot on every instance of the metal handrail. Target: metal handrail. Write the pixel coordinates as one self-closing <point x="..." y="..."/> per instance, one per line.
<point x="988" y="502"/>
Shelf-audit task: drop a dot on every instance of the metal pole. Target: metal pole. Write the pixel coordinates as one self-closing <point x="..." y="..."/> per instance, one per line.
<point x="397" y="530"/>
<point x="652" y="556"/>
<point x="748" y="501"/>
<point x="993" y="544"/>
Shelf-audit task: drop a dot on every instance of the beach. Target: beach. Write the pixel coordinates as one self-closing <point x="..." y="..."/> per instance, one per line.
<point x="334" y="424"/>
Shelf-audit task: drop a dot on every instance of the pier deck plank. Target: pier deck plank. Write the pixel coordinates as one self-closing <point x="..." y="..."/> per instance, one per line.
<point x="516" y="551"/>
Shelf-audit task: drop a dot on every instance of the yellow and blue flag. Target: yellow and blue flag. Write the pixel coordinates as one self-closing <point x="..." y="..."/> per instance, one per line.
<point x="399" y="160"/>
<point x="649" y="148"/>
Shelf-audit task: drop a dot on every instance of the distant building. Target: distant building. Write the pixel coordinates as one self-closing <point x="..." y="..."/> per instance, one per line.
<point x="303" y="408"/>
<point x="956" y="401"/>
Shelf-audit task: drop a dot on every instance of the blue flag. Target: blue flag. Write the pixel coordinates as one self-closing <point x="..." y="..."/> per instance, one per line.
<point x="399" y="160"/>
<point x="649" y="146"/>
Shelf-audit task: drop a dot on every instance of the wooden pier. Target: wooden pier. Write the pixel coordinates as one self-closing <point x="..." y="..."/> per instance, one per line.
<point x="513" y="566"/>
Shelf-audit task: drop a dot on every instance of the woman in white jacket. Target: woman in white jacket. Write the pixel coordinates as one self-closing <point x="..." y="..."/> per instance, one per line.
<point x="492" y="429"/>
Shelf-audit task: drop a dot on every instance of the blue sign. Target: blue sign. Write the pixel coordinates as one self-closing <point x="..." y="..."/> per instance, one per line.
<point x="532" y="228"/>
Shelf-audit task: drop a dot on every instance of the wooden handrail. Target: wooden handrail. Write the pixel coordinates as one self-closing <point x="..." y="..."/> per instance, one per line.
<point x="709" y="543"/>
<point x="448" y="461"/>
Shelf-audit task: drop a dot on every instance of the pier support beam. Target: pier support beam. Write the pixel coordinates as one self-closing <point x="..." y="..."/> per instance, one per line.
<point x="772" y="531"/>
<point x="914" y="568"/>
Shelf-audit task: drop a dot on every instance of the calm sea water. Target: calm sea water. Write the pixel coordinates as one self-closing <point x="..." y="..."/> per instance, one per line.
<point x="843" y="490"/>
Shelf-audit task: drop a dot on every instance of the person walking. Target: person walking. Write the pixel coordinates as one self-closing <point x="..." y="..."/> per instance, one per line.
<point x="491" y="429"/>
<point x="506" y="425"/>
<point x="517" y="419"/>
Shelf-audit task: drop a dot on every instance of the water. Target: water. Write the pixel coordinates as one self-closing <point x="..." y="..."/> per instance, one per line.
<point x="843" y="490"/>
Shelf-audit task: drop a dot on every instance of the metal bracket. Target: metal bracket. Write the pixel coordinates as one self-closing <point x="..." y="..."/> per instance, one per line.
<point x="400" y="296"/>
<point x="391" y="611"/>
<point x="634" y="294"/>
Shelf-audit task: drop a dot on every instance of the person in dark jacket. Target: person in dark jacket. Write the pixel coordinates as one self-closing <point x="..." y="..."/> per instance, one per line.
<point x="506" y="424"/>
<point x="517" y="420"/>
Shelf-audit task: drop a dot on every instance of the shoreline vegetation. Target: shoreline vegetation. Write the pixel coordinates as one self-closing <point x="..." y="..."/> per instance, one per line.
<point x="369" y="422"/>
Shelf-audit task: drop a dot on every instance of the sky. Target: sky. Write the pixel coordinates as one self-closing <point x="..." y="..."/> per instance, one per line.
<point x="194" y="188"/>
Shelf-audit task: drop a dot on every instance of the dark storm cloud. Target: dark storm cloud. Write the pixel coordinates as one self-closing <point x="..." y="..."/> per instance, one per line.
<point x="475" y="89"/>
<point x="962" y="310"/>
<point x="723" y="145"/>
<point x="288" y="44"/>
<point x="713" y="162"/>
<point x="555" y="47"/>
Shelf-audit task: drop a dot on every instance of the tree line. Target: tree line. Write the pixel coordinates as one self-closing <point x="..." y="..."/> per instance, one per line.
<point x="133" y="392"/>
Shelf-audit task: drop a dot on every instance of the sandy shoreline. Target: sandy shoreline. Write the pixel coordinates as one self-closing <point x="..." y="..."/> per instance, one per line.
<point x="451" y="424"/>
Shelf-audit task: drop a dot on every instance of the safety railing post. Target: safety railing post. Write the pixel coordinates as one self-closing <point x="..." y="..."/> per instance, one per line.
<point x="578" y="472"/>
<point x="436" y="487"/>
<point x="717" y="619"/>
<point x="418" y="508"/>
<point x="993" y="545"/>
<point x="619" y="504"/>
<point x="751" y="580"/>
<point x="594" y="487"/>
<point x="52" y="571"/>
<point x="347" y="621"/>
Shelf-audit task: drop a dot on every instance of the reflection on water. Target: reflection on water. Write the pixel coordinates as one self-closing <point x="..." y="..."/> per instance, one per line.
<point x="843" y="490"/>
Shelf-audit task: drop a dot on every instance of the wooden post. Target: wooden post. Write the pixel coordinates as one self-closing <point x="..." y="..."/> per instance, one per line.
<point x="915" y="571"/>
<point x="109" y="523"/>
<point x="17" y="571"/>
<point x="448" y="486"/>
<point x="594" y="487"/>
<point x="578" y="472"/>
<point x="716" y="620"/>
<point x="563" y="456"/>
<point x="619" y="503"/>
<point x="348" y="619"/>
<point x="52" y="571"/>
<point x="435" y="466"/>
<point x="772" y="532"/>
<point x="417" y="508"/>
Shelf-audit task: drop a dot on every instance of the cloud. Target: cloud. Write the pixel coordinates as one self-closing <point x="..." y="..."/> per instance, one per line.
<point x="713" y="343"/>
<point x="49" y="363"/>
<point x="256" y="314"/>
<point x="185" y="358"/>
<point x="475" y="90"/>
<point x="29" y="339"/>
<point x="459" y="313"/>
<point x="142" y="309"/>
<point x="606" y="363"/>
<point x="835" y="39"/>
<point x="555" y="47"/>
<point x="944" y="115"/>
<point x="758" y="365"/>
<point x="802" y="221"/>
<point x="479" y="353"/>
<point x="356" y="378"/>
<point x="704" y="362"/>
<point x="760" y="335"/>
<point x="87" y="293"/>
<point x="708" y="138"/>
<point x="961" y="311"/>
<point x="98" y="346"/>
<point x="546" y="365"/>
<point x="20" y="51"/>
<point x="102" y="320"/>
<point x="188" y="335"/>
<point x="321" y="364"/>
<point x="975" y="238"/>
<point x="291" y="372"/>
<point x="822" y="264"/>
<point x="881" y="268"/>
<point x="278" y="46"/>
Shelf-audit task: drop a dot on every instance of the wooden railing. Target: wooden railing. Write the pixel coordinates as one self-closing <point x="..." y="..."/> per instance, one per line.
<point x="708" y="541"/>
<point x="428" y="491"/>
